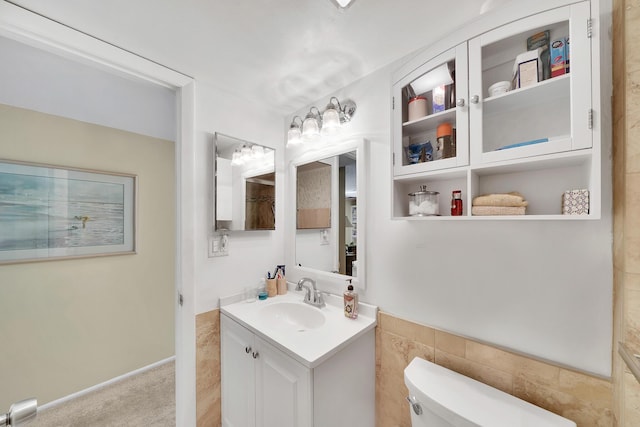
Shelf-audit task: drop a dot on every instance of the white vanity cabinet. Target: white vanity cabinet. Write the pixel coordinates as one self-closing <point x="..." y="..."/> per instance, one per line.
<point x="261" y="386"/>
<point x="540" y="140"/>
<point x="264" y="386"/>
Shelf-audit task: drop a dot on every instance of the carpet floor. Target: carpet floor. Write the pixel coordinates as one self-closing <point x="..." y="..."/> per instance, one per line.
<point x="144" y="400"/>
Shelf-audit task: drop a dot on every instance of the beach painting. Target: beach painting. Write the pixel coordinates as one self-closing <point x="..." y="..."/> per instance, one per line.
<point x="51" y="212"/>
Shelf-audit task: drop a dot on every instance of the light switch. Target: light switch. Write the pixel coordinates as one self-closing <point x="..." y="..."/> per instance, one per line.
<point x="219" y="245"/>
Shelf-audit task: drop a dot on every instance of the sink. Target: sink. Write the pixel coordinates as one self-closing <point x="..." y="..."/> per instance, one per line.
<point x="292" y="316"/>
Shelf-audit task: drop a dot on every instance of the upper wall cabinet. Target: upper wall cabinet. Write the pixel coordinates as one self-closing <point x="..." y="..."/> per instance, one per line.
<point x="513" y="119"/>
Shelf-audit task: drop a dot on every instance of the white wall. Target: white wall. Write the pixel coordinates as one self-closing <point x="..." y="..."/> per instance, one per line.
<point x="41" y="81"/>
<point x="251" y="253"/>
<point x="543" y="288"/>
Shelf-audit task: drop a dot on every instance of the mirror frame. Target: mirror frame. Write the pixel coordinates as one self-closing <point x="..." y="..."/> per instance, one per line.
<point x="325" y="278"/>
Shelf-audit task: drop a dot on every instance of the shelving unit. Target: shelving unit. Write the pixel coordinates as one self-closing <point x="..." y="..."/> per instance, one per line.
<point x="557" y="113"/>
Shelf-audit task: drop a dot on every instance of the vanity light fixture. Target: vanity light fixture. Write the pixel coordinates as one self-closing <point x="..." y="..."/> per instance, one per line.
<point x="249" y="153"/>
<point x="315" y="123"/>
<point x="342" y="4"/>
<point x="294" y="135"/>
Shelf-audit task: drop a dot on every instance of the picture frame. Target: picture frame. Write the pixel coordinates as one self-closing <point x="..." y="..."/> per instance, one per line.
<point x="354" y="214"/>
<point x="54" y="212"/>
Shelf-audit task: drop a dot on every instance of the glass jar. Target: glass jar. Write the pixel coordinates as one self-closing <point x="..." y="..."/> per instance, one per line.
<point x="424" y="202"/>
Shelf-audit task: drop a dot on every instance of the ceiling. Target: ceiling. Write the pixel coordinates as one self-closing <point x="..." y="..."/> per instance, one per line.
<point x="285" y="53"/>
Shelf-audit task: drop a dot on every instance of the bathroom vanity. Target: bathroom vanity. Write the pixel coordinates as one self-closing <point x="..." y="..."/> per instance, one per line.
<point x="286" y="363"/>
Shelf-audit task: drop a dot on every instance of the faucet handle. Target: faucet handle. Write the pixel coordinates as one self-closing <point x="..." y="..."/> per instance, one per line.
<point x="318" y="299"/>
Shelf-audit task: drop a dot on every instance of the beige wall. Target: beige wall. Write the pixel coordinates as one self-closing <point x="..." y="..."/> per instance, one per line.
<point x="585" y="399"/>
<point x="208" y="390"/>
<point x="70" y="324"/>
<point x="626" y="197"/>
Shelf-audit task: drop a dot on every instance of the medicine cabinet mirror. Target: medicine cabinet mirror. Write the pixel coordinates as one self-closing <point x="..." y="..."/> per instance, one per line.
<point x="244" y="182"/>
<point x="327" y="194"/>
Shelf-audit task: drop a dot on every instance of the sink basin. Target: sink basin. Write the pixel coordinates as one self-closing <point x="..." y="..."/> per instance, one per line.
<point x="292" y="316"/>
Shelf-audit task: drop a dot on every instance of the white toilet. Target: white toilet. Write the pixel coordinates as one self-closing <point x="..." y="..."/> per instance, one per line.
<point x="440" y="397"/>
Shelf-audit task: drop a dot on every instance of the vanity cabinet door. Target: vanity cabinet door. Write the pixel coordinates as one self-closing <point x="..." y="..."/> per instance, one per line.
<point x="237" y="374"/>
<point x="283" y="389"/>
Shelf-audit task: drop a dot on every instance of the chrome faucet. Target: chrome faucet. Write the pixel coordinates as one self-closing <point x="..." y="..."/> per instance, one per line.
<point x="312" y="295"/>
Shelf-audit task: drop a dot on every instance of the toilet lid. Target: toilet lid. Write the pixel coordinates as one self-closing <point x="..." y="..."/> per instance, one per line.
<point x="452" y="395"/>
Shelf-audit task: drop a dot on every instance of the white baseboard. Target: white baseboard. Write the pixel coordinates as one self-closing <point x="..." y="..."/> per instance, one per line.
<point x="102" y="385"/>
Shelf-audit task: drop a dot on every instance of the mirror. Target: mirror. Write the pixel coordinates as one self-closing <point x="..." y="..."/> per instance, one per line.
<point x="244" y="182"/>
<point x="328" y="196"/>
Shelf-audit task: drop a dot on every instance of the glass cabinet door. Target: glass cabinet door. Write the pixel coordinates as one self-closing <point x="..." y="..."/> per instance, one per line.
<point x="544" y="104"/>
<point x="431" y="127"/>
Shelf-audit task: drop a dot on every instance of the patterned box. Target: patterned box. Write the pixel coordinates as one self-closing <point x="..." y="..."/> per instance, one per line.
<point x="575" y="202"/>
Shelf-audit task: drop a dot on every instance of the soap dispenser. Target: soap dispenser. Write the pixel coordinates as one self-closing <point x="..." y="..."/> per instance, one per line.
<point x="350" y="302"/>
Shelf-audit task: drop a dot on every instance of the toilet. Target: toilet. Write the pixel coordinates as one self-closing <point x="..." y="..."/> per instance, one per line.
<point x="439" y="397"/>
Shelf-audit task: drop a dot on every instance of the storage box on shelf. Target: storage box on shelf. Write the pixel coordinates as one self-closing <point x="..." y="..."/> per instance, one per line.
<point x="537" y="140"/>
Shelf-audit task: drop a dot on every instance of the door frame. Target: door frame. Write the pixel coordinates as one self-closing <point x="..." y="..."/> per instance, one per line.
<point x="36" y="30"/>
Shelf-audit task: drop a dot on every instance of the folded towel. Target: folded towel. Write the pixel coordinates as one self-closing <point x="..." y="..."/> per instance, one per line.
<point x="509" y="199"/>
<point x="497" y="210"/>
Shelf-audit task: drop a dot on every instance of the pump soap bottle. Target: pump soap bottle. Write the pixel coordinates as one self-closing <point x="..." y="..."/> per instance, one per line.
<point x="350" y="302"/>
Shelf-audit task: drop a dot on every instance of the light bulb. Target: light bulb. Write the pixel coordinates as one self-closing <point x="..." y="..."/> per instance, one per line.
<point x="236" y="158"/>
<point x="310" y="128"/>
<point x="330" y="121"/>
<point x="257" y="151"/>
<point x="293" y="136"/>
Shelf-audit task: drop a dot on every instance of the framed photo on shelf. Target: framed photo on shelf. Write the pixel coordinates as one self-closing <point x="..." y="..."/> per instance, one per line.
<point x="51" y="212"/>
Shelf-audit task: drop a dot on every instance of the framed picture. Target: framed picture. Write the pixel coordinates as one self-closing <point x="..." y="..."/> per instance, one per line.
<point x="51" y="212"/>
<point x="354" y="214"/>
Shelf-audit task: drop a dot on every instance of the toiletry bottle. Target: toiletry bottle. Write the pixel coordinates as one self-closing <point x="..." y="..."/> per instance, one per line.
<point x="350" y="302"/>
<point x="281" y="281"/>
<point x="456" y="203"/>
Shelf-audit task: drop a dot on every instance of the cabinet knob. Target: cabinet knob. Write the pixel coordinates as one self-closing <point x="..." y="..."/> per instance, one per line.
<point x="460" y="102"/>
<point x="247" y="350"/>
<point x="255" y="354"/>
<point x="474" y="99"/>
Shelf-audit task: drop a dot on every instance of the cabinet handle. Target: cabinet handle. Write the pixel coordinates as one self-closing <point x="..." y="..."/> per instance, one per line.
<point x="474" y="99"/>
<point x="247" y="350"/>
<point x="460" y="102"/>
<point x="255" y="354"/>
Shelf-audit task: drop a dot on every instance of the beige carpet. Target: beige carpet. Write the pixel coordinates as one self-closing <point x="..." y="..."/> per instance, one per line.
<point x="147" y="399"/>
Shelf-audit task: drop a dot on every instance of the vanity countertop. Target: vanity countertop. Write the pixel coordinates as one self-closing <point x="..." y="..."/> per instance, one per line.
<point x="310" y="347"/>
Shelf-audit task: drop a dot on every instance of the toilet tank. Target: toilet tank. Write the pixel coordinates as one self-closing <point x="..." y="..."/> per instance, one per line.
<point x="445" y="398"/>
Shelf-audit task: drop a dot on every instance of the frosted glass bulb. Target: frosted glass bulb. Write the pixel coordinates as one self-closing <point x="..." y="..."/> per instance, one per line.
<point x="257" y="151"/>
<point x="330" y="122"/>
<point x="310" y="128"/>
<point x="293" y="136"/>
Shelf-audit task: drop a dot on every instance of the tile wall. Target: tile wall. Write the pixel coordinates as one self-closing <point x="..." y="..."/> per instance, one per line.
<point x="585" y="399"/>
<point x="208" y="369"/>
<point x="626" y="203"/>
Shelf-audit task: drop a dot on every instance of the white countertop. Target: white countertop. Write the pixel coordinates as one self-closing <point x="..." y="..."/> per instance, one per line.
<point x="310" y="347"/>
